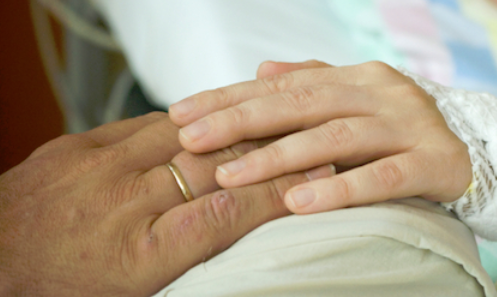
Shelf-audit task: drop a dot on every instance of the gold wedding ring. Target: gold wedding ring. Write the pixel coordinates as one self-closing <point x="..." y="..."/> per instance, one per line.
<point x="180" y="180"/>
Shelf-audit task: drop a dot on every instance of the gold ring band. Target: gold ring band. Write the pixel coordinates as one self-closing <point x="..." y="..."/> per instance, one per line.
<point x="180" y="180"/>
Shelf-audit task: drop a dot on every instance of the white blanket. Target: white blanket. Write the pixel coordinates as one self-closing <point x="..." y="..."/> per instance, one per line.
<point x="409" y="247"/>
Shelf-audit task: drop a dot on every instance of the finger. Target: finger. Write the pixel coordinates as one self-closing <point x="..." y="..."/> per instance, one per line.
<point x="349" y="142"/>
<point x="67" y="142"/>
<point x="104" y="135"/>
<point x="296" y="109"/>
<point x="199" y="169"/>
<point x="160" y="188"/>
<point x="398" y="176"/>
<point x="151" y="192"/>
<point x="197" y="106"/>
<point x="154" y="145"/>
<point x="114" y="132"/>
<point x="202" y="104"/>
<point x="208" y="225"/>
<point x="270" y="68"/>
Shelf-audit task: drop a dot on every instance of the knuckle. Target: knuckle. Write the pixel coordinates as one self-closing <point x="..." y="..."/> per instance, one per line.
<point x="151" y="245"/>
<point x="300" y="99"/>
<point x="215" y="96"/>
<point x="342" y="190"/>
<point x="224" y="94"/>
<point x="337" y="133"/>
<point x="54" y="144"/>
<point x="278" y="83"/>
<point x="415" y="96"/>
<point x="99" y="157"/>
<point x="156" y="115"/>
<point x="315" y="63"/>
<point x="411" y="91"/>
<point x="182" y="226"/>
<point x="388" y="175"/>
<point x="274" y="152"/>
<point x="238" y="114"/>
<point x="377" y="67"/>
<point x="139" y="187"/>
<point x="222" y="211"/>
<point x="67" y="138"/>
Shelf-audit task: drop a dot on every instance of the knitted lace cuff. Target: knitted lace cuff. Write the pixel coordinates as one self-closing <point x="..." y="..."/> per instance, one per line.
<point x="473" y="118"/>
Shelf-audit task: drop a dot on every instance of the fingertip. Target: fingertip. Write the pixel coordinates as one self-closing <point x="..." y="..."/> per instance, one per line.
<point x="301" y="199"/>
<point x="195" y="131"/>
<point x="181" y="112"/>
<point x="222" y="178"/>
<point x="192" y="147"/>
<point x="321" y="172"/>
<point x="185" y="141"/>
<point x="223" y="172"/>
<point x="265" y="69"/>
<point x="304" y="198"/>
<point x="231" y="174"/>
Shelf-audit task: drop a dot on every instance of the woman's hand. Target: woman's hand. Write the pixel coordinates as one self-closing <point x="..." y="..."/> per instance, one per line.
<point x="100" y="214"/>
<point x="369" y="117"/>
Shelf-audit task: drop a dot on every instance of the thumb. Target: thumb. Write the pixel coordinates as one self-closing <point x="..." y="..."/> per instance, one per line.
<point x="270" y="68"/>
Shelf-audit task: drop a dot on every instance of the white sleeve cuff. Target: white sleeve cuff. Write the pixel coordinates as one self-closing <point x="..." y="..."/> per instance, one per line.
<point x="473" y="118"/>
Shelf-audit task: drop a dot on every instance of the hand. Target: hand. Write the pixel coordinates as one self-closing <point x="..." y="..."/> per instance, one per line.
<point x="369" y="117"/>
<point x="99" y="213"/>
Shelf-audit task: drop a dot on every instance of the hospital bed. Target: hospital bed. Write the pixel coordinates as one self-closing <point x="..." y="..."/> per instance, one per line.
<point x="92" y="82"/>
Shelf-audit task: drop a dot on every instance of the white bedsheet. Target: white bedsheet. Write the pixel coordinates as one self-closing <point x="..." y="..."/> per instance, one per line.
<point x="178" y="48"/>
<point x="409" y="247"/>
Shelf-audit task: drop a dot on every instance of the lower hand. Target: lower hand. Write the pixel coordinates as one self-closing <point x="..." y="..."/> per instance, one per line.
<point x="99" y="213"/>
<point x="367" y="117"/>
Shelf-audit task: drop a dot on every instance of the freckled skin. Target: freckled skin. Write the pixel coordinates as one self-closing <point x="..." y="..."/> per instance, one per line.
<point x="83" y="256"/>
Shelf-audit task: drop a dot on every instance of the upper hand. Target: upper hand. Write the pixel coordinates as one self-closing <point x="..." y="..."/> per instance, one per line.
<point x="369" y="117"/>
<point x="99" y="213"/>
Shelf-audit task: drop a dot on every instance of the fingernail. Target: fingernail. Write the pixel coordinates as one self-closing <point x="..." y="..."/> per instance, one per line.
<point x="196" y="130"/>
<point x="321" y="172"/>
<point x="302" y="198"/>
<point x="183" y="107"/>
<point x="232" y="167"/>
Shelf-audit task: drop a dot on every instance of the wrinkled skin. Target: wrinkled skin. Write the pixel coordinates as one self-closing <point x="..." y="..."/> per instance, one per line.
<point x="99" y="213"/>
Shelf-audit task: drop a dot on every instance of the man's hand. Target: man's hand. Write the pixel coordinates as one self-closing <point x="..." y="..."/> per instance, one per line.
<point x="369" y="117"/>
<point x="99" y="213"/>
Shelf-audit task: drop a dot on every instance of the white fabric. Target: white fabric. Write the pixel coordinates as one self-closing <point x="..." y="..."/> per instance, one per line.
<point x="473" y="117"/>
<point x="179" y="48"/>
<point x="409" y="247"/>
